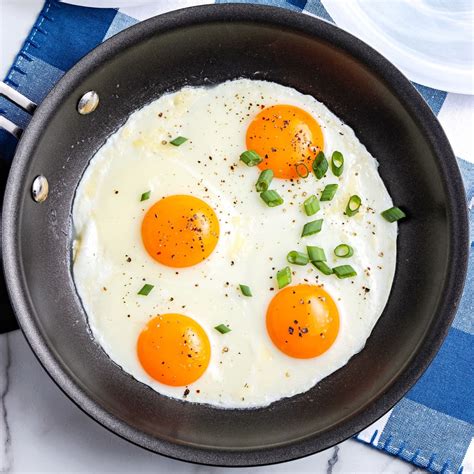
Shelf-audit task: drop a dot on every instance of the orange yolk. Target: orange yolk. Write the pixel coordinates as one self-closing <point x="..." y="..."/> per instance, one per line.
<point x="302" y="321"/>
<point x="174" y="349"/>
<point x="285" y="136"/>
<point x="180" y="231"/>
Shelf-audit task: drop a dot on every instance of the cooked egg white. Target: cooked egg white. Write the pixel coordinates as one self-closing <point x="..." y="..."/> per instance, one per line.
<point x="111" y="264"/>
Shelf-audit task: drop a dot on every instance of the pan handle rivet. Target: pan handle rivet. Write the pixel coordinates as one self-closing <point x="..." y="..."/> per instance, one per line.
<point x="40" y="189"/>
<point x="88" y="103"/>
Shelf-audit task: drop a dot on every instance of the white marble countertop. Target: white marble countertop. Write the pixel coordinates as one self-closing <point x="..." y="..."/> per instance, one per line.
<point x="43" y="431"/>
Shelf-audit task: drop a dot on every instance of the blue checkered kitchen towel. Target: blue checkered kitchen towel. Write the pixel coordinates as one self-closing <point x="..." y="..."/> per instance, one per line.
<point x="433" y="425"/>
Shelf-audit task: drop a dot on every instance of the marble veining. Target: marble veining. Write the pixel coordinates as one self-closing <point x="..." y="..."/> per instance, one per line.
<point x="41" y="430"/>
<point x="333" y="460"/>
<point x="5" y="435"/>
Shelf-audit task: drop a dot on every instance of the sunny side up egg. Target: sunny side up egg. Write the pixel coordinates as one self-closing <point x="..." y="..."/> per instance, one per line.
<point x="164" y="236"/>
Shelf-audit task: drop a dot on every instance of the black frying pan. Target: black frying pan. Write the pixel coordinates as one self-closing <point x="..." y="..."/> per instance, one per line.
<point x="208" y="45"/>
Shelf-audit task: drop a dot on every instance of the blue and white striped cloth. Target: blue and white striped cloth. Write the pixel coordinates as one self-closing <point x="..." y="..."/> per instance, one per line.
<point x="433" y="425"/>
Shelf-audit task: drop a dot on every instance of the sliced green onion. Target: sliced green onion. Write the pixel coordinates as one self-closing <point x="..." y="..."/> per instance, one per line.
<point x="337" y="163"/>
<point x="320" y="165"/>
<point x="311" y="205"/>
<point x="271" y="198"/>
<point x="145" y="196"/>
<point x="178" y="141"/>
<point x="245" y="290"/>
<point x="393" y="214"/>
<point x="250" y="158"/>
<point x="222" y="328"/>
<point x="312" y="227"/>
<point x="323" y="267"/>
<point x="316" y="254"/>
<point x="353" y="205"/>
<point x="302" y="170"/>
<point x="264" y="180"/>
<point x="344" y="271"/>
<point x="284" y="277"/>
<point x="297" y="258"/>
<point x="146" y="289"/>
<point x="328" y="192"/>
<point x="343" y="251"/>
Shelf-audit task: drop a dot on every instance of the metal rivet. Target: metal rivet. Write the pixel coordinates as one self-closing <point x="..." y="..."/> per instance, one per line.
<point x="88" y="103"/>
<point x="40" y="188"/>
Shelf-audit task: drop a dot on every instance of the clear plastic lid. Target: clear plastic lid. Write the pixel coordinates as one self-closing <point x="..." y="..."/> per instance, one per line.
<point x="430" y="41"/>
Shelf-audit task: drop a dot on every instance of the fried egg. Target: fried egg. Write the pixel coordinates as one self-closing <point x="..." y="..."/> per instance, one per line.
<point x="168" y="224"/>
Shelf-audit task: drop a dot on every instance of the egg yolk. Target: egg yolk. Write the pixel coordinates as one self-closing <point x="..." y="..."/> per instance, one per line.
<point x="180" y="231"/>
<point x="302" y="321"/>
<point x="174" y="349"/>
<point x="285" y="136"/>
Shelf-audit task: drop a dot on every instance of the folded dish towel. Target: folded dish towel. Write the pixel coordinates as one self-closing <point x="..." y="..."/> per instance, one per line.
<point x="433" y="425"/>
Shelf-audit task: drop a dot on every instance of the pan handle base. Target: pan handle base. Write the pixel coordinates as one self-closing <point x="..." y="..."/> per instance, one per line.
<point x="21" y="101"/>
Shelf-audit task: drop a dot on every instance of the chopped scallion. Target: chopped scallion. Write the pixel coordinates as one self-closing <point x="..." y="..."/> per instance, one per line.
<point x="178" y="141"/>
<point x="353" y="205"/>
<point x="146" y="289"/>
<point x="271" y="198"/>
<point x="337" y="163"/>
<point x="328" y="192"/>
<point x="283" y="277"/>
<point x="323" y="267"/>
<point x="344" y="271"/>
<point x="302" y="170"/>
<point x="320" y="165"/>
<point x="145" y="196"/>
<point x="250" y="158"/>
<point x="343" y="251"/>
<point x="245" y="290"/>
<point x="316" y="254"/>
<point x="264" y="180"/>
<point x="393" y="214"/>
<point x="312" y="227"/>
<point x="297" y="258"/>
<point x="222" y="328"/>
<point x="311" y="205"/>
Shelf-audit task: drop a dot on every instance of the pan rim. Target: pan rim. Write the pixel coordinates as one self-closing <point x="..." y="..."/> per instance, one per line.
<point x="457" y="219"/>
